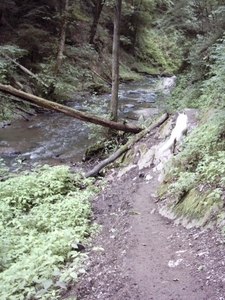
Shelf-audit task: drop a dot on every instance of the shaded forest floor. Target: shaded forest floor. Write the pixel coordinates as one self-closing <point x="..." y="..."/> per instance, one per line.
<point x="141" y="255"/>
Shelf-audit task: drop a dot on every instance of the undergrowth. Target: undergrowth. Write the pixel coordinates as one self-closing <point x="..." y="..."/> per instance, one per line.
<point x="44" y="214"/>
<point x="205" y="90"/>
<point x="201" y="165"/>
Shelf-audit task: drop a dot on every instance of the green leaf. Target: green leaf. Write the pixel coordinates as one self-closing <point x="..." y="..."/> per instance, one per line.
<point x="47" y="283"/>
<point x="73" y="275"/>
<point x="61" y="284"/>
<point x="40" y="292"/>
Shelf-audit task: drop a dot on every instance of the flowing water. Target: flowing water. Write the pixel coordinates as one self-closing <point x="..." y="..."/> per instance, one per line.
<point x="54" y="137"/>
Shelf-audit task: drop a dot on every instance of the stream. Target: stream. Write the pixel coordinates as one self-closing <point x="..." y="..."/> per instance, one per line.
<point x="54" y="137"/>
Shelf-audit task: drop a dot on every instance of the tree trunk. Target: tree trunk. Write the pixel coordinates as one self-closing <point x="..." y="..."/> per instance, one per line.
<point x="97" y="12"/>
<point x="125" y="147"/>
<point x="115" y="60"/>
<point x="25" y="69"/>
<point x="62" y="37"/>
<point x="68" y="110"/>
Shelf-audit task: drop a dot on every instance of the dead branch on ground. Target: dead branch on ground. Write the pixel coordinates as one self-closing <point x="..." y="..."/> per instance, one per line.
<point x="125" y="147"/>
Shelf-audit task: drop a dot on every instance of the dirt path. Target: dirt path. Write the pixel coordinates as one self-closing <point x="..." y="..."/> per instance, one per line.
<point x="141" y="255"/>
<point x="162" y="255"/>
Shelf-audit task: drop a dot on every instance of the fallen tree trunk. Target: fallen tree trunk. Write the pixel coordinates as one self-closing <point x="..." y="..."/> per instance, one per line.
<point x="102" y="78"/>
<point x="125" y="147"/>
<point x="25" y="69"/>
<point x="68" y="110"/>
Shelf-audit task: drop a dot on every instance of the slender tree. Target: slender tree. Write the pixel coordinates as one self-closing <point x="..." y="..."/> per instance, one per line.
<point x="115" y="60"/>
<point x="64" y="16"/>
<point x="98" y="5"/>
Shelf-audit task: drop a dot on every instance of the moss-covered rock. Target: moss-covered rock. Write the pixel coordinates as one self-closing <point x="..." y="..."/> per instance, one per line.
<point x="196" y="204"/>
<point x="193" y="181"/>
<point x="196" y="209"/>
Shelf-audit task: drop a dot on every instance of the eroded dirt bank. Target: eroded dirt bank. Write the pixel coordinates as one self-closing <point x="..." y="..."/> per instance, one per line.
<point x="141" y="255"/>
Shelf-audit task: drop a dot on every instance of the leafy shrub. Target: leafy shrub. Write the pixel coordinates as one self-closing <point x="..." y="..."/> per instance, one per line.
<point x="214" y="86"/>
<point x="4" y="171"/>
<point x="44" y="214"/>
<point x="7" y="66"/>
<point x="155" y="47"/>
<point x="185" y="95"/>
<point x="209" y="91"/>
<point x="203" y="159"/>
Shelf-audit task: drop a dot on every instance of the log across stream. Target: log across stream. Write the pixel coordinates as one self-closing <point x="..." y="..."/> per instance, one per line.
<point x="51" y="137"/>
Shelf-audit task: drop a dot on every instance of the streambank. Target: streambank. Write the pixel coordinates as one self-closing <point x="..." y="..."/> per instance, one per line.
<point x="55" y="138"/>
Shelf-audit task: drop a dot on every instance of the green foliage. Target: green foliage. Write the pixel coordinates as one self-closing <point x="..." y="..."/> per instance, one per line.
<point x="199" y="25"/>
<point x="76" y="13"/>
<point x="7" y="67"/>
<point x="125" y="71"/>
<point x="12" y="51"/>
<point x="6" y="108"/>
<point x="192" y="17"/>
<point x="212" y="169"/>
<point x="201" y="164"/>
<point x="159" y="50"/>
<point x="44" y="214"/>
<point x="214" y="86"/>
<point x="98" y="107"/>
<point x="194" y="179"/>
<point x="197" y="58"/>
<point x="183" y="95"/>
<point x="72" y="76"/>
<point x="182" y="185"/>
<point x="81" y="70"/>
<point x="204" y="93"/>
<point x="63" y="85"/>
<point x="4" y="171"/>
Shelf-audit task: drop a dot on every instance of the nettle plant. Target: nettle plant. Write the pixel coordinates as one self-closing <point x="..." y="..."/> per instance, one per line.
<point x="44" y="213"/>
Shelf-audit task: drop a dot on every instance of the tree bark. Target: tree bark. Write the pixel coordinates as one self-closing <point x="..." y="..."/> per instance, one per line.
<point x="68" y="110"/>
<point x="115" y="60"/>
<point x="97" y="12"/>
<point x="62" y="37"/>
<point x="102" y="78"/>
<point x="126" y="147"/>
<point x="24" y="69"/>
